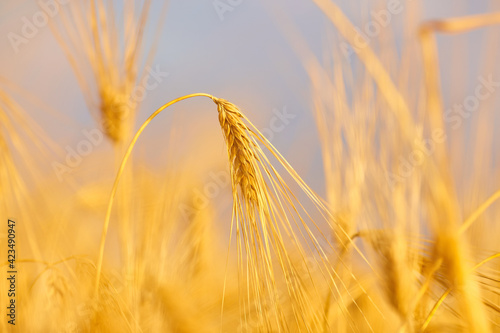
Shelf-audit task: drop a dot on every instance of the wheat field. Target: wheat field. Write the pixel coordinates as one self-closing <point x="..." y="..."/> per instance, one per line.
<point x="149" y="183"/>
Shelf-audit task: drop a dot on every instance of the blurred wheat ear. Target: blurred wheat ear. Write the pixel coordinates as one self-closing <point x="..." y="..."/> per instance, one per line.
<point x="451" y="252"/>
<point x="108" y="53"/>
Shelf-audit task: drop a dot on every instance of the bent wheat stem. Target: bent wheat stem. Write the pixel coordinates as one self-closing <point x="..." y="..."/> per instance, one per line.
<point x="118" y="175"/>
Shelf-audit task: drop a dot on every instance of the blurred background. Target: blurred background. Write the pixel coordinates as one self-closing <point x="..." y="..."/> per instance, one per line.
<point x="238" y="51"/>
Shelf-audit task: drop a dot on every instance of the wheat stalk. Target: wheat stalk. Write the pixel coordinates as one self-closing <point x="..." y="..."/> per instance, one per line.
<point x="117" y="180"/>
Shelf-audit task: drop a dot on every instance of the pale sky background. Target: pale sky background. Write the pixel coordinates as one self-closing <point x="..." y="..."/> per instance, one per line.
<point x="243" y="58"/>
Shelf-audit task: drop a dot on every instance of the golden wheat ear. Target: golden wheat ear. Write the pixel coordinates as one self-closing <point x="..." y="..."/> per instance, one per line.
<point x="285" y="259"/>
<point x="289" y="259"/>
<point x="239" y="147"/>
<point x="109" y="60"/>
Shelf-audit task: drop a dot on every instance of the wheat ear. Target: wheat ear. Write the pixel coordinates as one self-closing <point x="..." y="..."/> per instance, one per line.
<point x="239" y="144"/>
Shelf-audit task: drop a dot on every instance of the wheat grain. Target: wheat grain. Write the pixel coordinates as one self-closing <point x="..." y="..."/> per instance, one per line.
<point x="239" y="146"/>
<point x="117" y="109"/>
